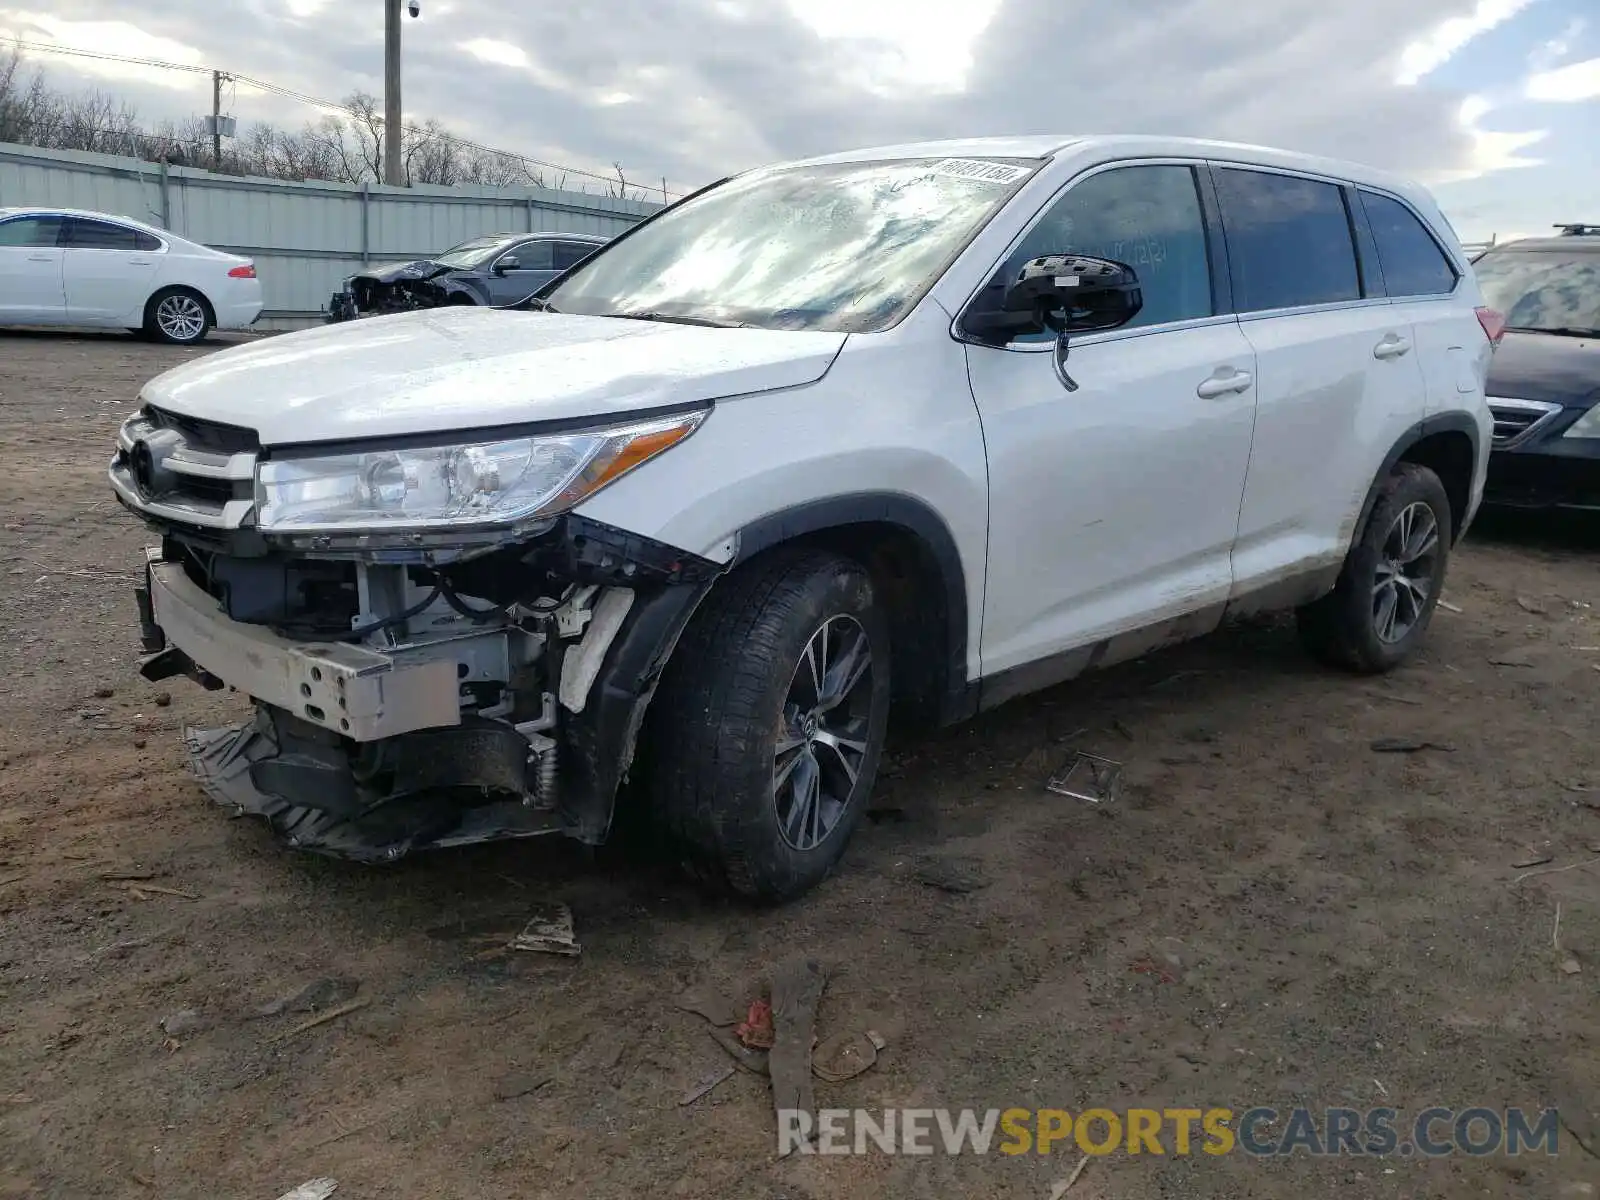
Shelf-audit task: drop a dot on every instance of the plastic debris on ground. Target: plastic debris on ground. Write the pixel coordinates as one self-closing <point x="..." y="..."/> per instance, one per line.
<point x="1087" y="777"/>
<point x="549" y="931"/>
<point x="313" y="1189"/>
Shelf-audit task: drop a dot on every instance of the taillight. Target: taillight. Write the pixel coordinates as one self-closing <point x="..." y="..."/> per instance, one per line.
<point x="1494" y="325"/>
<point x="248" y="271"/>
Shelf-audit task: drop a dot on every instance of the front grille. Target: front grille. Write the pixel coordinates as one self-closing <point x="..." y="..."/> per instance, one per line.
<point x="180" y="469"/>
<point x="204" y="435"/>
<point x="1516" y="420"/>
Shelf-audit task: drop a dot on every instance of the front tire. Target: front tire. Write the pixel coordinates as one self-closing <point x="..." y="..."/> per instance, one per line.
<point x="1379" y="611"/>
<point x="178" y="316"/>
<point x="769" y="722"/>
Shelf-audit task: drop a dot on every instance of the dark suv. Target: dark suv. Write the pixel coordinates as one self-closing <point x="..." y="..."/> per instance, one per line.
<point x="1544" y="384"/>
<point x="497" y="269"/>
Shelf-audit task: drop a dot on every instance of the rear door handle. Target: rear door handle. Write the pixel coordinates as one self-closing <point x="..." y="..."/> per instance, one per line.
<point x="1392" y="346"/>
<point x="41" y="258"/>
<point x="1222" y="385"/>
<point x="138" y="262"/>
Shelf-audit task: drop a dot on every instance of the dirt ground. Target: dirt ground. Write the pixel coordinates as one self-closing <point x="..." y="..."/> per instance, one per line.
<point x="1272" y="913"/>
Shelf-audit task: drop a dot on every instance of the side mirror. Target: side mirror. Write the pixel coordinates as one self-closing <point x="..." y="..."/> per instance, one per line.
<point x="509" y="262"/>
<point x="1061" y="293"/>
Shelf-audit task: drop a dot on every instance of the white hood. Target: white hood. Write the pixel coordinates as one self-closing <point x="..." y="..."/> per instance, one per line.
<point x="445" y="369"/>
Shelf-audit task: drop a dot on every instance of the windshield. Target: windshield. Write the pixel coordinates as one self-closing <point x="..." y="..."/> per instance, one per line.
<point x="1543" y="289"/>
<point x="474" y="254"/>
<point x="840" y="247"/>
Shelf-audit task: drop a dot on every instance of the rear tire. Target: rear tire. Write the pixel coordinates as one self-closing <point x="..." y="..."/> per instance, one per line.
<point x="757" y="783"/>
<point x="1379" y="611"/>
<point x="178" y="316"/>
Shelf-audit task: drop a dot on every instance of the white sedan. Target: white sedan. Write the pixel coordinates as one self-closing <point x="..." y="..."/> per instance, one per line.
<point x="65" y="267"/>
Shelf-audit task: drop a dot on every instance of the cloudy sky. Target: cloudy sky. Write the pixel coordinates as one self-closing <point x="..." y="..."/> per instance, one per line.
<point x="1494" y="102"/>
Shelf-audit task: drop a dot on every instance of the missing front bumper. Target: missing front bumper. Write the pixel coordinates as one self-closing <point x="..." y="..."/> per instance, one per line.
<point x="359" y="693"/>
<point x="428" y="790"/>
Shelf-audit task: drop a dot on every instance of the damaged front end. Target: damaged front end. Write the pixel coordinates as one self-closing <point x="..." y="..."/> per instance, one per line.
<point x="415" y="691"/>
<point x="394" y="289"/>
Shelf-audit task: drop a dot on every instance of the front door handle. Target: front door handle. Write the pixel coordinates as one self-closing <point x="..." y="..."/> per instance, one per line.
<point x="1392" y="346"/>
<point x="1222" y="385"/>
<point x="41" y="258"/>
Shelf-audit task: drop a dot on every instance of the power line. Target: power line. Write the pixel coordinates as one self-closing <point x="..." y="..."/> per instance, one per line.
<point x="40" y="48"/>
<point x="320" y="102"/>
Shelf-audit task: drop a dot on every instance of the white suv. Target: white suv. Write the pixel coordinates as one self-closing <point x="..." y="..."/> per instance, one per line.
<point x="915" y="429"/>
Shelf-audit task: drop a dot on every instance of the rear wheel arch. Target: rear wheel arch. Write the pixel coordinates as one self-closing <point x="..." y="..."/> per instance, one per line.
<point x="1448" y="444"/>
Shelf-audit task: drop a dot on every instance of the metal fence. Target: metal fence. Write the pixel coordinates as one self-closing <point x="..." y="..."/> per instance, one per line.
<point x="304" y="237"/>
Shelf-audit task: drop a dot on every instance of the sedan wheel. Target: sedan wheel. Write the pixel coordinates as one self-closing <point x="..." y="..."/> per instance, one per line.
<point x="179" y="317"/>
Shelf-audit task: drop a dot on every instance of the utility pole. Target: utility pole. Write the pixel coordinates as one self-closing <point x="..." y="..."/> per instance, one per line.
<point x="216" y="121"/>
<point x="392" y="172"/>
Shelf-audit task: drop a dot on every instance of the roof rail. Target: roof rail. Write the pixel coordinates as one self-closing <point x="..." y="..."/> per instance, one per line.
<point x="1578" y="229"/>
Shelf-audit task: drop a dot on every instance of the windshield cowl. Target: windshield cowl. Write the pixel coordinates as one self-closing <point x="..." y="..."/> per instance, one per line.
<point x="1558" y="331"/>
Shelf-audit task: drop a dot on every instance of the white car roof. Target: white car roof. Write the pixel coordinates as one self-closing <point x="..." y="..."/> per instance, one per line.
<point x="115" y="218"/>
<point x="1102" y="146"/>
<point x="173" y="239"/>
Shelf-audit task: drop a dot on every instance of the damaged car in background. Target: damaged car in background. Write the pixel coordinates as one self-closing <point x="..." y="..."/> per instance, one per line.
<point x="890" y="432"/>
<point x="496" y="270"/>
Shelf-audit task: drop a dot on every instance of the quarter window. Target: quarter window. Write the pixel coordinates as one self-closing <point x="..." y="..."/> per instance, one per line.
<point x="1289" y="240"/>
<point x="1148" y="217"/>
<point x="1413" y="264"/>
<point x="30" y="231"/>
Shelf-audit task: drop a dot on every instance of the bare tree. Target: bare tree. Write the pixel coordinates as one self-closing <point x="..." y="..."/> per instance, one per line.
<point x="495" y="169"/>
<point x="432" y="155"/>
<point x="343" y="148"/>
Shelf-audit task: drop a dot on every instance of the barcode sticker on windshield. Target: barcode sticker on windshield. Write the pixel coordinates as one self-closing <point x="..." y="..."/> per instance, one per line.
<point x="978" y="169"/>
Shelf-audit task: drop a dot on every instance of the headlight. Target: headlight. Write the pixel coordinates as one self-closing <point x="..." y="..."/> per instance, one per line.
<point x="1586" y="426"/>
<point x="487" y="484"/>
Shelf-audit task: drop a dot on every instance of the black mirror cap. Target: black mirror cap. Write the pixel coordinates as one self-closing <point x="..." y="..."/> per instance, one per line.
<point x="1075" y="293"/>
<point x="511" y="263"/>
<point x="1062" y="293"/>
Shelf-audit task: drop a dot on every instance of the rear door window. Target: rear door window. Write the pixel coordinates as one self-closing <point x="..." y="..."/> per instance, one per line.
<point x="99" y="235"/>
<point x="570" y="254"/>
<point x="1289" y="240"/>
<point x="1413" y="264"/>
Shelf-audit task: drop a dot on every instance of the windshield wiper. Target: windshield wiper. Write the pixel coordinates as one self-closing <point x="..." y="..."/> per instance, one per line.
<point x="1558" y="330"/>
<point x="675" y="319"/>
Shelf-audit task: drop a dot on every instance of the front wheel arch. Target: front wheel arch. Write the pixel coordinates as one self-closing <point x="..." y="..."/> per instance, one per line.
<point x="913" y="556"/>
<point x="715" y="792"/>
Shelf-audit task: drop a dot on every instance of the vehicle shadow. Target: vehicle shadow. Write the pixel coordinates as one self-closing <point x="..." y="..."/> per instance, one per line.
<point x="123" y="337"/>
<point x="1551" y="534"/>
<point x="933" y="786"/>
